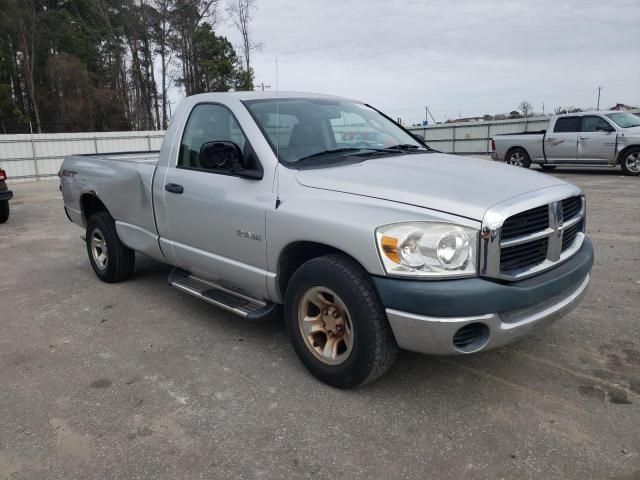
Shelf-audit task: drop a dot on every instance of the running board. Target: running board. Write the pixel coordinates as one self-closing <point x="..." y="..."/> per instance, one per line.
<point x="223" y="297"/>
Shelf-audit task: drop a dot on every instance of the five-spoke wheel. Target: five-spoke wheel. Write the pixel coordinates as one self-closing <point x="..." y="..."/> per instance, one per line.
<point x="325" y="325"/>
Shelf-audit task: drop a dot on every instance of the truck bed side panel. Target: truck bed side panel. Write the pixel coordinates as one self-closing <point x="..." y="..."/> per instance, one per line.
<point x="532" y="143"/>
<point x="124" y="187"/>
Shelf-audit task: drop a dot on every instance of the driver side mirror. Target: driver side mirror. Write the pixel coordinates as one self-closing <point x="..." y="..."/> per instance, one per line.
<point x="225" y="155"/>
<point x="220" y="155"/>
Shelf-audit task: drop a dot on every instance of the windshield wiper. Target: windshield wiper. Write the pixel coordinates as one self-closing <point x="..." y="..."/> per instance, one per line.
<point x="405" y="146"/>
<point x="329" y="152"/>
<point x="334" y="151"/>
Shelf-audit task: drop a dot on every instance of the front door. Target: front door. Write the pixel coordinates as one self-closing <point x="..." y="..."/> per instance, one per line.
<point x="596" y="141"/>
<point x="216" y="220"/>
<point x="560" y="146"/>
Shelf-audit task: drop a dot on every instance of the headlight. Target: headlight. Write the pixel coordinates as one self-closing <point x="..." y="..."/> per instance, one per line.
<point x="424" y="249"/>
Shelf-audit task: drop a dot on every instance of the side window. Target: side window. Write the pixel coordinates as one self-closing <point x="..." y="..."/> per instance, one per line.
<point x="207" y="123"/>
<point x="592" y="123"/>
<point x="566" y="124"/>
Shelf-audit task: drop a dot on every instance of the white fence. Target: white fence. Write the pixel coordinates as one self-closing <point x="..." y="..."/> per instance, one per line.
<point x="32" y="157"/>
<point x="474" y="137"/>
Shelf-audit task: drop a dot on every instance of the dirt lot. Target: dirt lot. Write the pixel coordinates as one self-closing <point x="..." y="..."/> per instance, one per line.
<point x="137" y="380"/>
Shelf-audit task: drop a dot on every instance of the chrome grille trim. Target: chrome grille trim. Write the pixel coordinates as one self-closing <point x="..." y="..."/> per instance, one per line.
<point x="490" y="237"/>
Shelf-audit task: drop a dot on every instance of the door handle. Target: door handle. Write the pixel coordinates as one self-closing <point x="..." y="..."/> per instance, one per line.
<point x="584" y="138"/>
<point x="174" y="188"/>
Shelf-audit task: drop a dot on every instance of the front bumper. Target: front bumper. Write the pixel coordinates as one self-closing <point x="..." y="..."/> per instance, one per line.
<point x="437" y="336"/>
<point x="427" y="317"/>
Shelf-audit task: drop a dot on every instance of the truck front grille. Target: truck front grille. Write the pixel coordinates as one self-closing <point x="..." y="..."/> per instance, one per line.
<point x="527" y="222"/>
<point x="569" y="235"/>
<point x="534" y="240"/>
<point x="523" y="255"/>
<point x="571" y="207"/>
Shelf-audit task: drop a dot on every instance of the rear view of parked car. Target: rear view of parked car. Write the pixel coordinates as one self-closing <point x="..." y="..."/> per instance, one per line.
<point x="5" y="196"/>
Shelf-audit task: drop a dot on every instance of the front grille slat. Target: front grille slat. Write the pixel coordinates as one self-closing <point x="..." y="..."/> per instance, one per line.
<point x="525" y="223"/>
<point x="570" y="235"/>
<point x="525" y="255"/>
<point x="571" y="207"/>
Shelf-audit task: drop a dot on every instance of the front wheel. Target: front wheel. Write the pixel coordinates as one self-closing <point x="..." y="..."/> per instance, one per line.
<point x="336" y="323"/>
<point x="110" y="259"/>
<point x="631" y="162"/>
<point x="4" y="211"/>
<point x="518" y="157"/>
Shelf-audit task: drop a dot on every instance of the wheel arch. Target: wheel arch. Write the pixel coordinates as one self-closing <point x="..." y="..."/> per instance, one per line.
<point x="622" y="153"/>
<point x="297" y="253"/>
<point x="90" y="204"/>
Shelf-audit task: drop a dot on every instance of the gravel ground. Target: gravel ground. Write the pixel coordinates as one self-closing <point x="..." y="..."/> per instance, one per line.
<point x="137" y="380"/>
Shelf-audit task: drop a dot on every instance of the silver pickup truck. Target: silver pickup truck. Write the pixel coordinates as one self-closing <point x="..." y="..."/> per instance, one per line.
<point x="587" y="138"/>
<point x="369" y="239"/>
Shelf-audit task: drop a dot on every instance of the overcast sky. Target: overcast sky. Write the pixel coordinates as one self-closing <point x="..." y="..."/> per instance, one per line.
<point x="460" y="57"/>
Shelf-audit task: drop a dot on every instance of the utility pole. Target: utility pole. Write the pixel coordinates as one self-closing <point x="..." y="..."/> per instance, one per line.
<point x="542" y="108"/>
<point x="426" y="115"/>
<point x="263" y="86"/>
<point x="598" y="107"/>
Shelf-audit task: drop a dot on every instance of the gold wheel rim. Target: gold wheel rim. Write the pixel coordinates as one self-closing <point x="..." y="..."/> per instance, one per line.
<point x="325" y="325"/>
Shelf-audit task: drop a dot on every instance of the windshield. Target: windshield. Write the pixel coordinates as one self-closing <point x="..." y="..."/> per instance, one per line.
<point x="624" y="119"/>
<point x="301" y="129"/>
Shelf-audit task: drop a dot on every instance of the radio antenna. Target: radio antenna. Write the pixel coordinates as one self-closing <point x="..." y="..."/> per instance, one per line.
<point x="277" y="115"/>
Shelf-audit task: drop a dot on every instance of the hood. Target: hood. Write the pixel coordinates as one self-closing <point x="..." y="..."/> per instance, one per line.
<point x="463" y="186"/>
<point x="631" y="131"/>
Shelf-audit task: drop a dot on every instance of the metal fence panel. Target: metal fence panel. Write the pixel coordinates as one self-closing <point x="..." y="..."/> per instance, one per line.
<point x="31" y="157"/>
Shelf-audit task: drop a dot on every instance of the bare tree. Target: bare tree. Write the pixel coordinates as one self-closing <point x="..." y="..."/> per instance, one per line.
<point x="239" y="12"/>
<point x="163" y="33"/>
<point x="525" y="107"/>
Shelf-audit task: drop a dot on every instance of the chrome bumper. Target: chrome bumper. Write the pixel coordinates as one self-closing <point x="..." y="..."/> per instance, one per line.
<point x="433" y="335"/>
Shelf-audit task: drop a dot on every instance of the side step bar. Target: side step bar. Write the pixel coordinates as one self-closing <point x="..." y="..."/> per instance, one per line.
<point x="247" y="307"/>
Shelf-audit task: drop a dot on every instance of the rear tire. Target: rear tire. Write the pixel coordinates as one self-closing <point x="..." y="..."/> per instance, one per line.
<point x="631" y="162"/>
<point x="518" y="157"/>
<point x="350" y="316"/>
<point x="110" y="259"/>
<point x="4" y="211"/>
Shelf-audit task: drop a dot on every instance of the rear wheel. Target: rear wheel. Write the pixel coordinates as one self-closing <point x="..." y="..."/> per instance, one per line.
<point x="4" y="211"/>
<point x="110" y="259"/>
<point x="631" y="162"/>
<point x="518" y="157"/>
<point x="336" y="323"/>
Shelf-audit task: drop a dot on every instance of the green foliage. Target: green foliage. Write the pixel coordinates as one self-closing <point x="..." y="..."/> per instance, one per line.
<point x="68" y="65"/>
<point x="216" y="60"/>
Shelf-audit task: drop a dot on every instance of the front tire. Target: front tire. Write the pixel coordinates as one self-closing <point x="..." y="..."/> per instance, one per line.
<point x="518" y="157"/>
<point x="631" y="162"/>
<point x="337" y="324"/>
<point x="4" y="211"/>
<point x="110" y="259"/>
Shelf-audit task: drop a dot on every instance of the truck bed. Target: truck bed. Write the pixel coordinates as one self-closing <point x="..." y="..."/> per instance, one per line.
<point x="150" y="157"/>
<point x="122" y="180"/>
